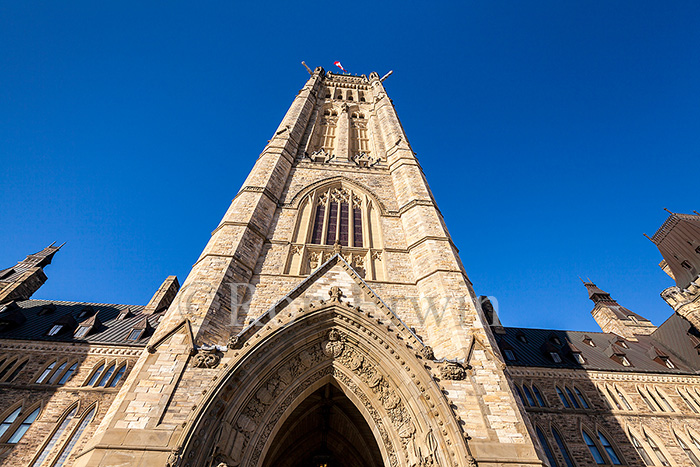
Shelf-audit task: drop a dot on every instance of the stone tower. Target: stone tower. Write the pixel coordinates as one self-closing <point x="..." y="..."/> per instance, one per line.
<point x="328" y="321"/>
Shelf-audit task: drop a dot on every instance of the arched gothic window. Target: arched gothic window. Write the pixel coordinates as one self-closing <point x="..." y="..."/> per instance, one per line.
<point x="15" y="425"/>
<point x="343" y="213"/>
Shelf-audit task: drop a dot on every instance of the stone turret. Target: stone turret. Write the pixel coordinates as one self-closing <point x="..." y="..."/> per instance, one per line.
<point x="27" y="276"/>
<point x="612" y="317"/>
<point x="678" y="241"/>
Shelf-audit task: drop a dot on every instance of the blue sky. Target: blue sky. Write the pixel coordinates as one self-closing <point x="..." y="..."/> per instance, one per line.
<point x="552" y="133"/>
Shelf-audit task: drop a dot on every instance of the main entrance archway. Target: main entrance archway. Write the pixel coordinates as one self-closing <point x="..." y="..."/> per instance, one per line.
<point x="328" y="383"/>
<point x="326" y="429"/>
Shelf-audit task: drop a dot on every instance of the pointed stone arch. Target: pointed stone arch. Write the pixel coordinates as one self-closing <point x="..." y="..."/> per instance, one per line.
<point x="375" y="361"/>
<point x="327" y="182"/>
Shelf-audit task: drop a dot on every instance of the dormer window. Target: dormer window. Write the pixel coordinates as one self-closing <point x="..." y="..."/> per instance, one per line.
<point x="686" y="265"/>
<point x="554" y="339"/>
<point x="509" y="354"/>
<point x="139" y="330"/>
<point x="588" y="341"/>
<point x="47" y="309"/>
<point x="624" y="361"/>
<point x="85" y="312"/>
<point x="55" y="329"/>
<point x="556" y="358"/>
<point x="578" y="357"/>
<point x="667" y="361"/>
<point x="521" y="337"/>
<point x="697" y="250"/>
<point x="123" y="314"/>
<point x="82" y="331"/>
<point x="622" y="344"/>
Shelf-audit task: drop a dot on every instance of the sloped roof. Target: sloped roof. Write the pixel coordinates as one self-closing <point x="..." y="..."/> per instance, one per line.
<point x="531" y="354"/>
<point x="110" y="330"/>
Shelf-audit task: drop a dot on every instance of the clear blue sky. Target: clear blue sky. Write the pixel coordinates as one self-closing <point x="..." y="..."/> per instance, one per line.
<point x="552" y="133"/>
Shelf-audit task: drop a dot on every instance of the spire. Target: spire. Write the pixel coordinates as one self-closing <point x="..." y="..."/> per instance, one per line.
<point x="596" y="294"/>
<point x="20" y="281"/>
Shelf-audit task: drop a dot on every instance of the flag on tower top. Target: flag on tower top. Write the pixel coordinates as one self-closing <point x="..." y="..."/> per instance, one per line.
<point x="340" y="66"/>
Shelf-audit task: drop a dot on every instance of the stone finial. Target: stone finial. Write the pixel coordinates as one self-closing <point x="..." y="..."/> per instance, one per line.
<point x="336" y="294"/>
<point x="337" y="247"/>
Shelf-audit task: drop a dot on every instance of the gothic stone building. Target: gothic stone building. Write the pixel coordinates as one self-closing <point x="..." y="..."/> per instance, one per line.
<point x="330" y="322"/>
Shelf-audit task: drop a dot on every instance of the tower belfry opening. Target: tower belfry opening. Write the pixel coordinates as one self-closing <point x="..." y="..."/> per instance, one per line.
<point x="325" y="430"/>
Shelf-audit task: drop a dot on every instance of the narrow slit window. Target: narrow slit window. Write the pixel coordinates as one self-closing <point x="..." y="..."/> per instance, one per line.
<point x="689" y="452"/>
<point x="593" y="448"/>
<point x="581" y="398"/>
<point x="57" y="373"/>
<point x="538" y="396"/>
<point x="572" y="398"/>
<point x="357" y="227"/>
<point x="614" y="458"/>
<point x="118" y="376"/>
<point x="106" y="375"/>
<point x="318" y="225"/>
<point x="332" y="223"/>
<point x="95" y="375"/>
<point x="563" y="398"/>
<point x="67" y="375"/>
<point x="528" y="396"/>
<point x="344" y="223"/>
<point x="45" y="373"/>
<point x="70" y="444"/>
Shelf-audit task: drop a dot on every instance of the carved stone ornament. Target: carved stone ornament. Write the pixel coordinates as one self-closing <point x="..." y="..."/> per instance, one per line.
<point x="452" y="371"/>
<point x="336" y="294"/>
<point x="206" y="359"/>
<point x="174" y="459"/>
<point x="233" y="342"/>
<point x="427" y="353"/>
<point x="333" y="347"/>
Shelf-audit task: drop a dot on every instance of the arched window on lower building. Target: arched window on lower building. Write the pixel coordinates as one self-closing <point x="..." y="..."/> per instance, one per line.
<point x="48" y="446"/>
<point x="562" y="448"/>
<point x="600" y="448"/>
<point x="640" y="449"/>
<point x="547" y="448"/>
<point x="688" y="451"/>
<point x="15" y="425"/>
<point x="70" y="443"/>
